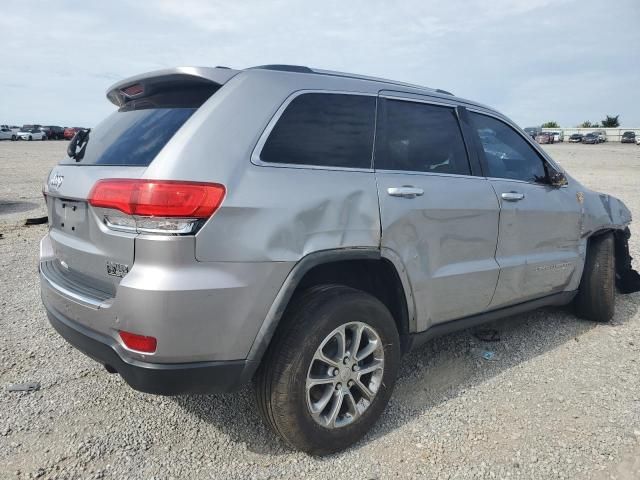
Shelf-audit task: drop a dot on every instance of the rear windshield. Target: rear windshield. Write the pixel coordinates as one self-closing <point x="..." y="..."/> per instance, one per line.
<point x="135" y="134"/>
<point x="132" y="138"/>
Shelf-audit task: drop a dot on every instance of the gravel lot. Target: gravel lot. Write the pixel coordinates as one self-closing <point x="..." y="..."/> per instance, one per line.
<point x="561" y="399"/>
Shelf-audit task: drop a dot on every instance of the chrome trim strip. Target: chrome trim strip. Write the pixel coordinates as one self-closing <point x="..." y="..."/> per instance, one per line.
<point x="514" y="180"/>
<point x="93" y="303"/>
<point x="431" y="174"/>
<point x="451" y="105"/>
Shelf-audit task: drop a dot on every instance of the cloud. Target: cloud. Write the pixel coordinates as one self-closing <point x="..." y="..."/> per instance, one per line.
<point x="536" y="60"/>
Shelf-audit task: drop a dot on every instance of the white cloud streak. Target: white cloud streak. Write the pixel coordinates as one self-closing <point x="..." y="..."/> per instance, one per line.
<point x="536" y="60"/>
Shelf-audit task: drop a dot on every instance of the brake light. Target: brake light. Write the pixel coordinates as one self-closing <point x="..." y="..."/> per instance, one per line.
<point x="158" y="198"/>
<point x="140" y="343"/>
<point x="133" y="90"/>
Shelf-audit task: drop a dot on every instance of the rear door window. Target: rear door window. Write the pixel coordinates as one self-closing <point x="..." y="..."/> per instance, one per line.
<point x="420" y="137"/>
<point x="323" y="129"/>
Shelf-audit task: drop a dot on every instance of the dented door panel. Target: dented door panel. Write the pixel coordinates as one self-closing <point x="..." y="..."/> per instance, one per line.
<point x="539" y="247"/>
<point x="446" y="239"/>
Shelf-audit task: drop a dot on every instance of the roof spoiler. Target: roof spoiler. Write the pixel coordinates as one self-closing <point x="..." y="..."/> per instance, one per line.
<point x="140" y="86"/>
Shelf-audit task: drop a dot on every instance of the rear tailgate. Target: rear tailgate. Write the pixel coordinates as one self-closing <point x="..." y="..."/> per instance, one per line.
<point x="82" y="245"/>
<point x="152" y="108"/>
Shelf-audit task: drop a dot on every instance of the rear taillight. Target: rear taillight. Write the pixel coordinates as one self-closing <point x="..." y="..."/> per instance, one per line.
<point x="156" y="206"/>
<point x="139" y="343"/>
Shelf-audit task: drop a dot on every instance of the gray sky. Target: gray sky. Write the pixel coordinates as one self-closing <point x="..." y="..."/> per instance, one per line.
<point x="534" y="60"/>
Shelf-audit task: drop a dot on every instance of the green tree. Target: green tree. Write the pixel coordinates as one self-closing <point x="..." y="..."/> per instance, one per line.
<point x="586" y="124"/>
<point x="550" y="125"/>
<point x="611" y="122"/>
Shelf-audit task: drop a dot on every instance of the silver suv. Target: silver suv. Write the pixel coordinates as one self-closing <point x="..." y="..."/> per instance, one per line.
<point x="303" y="229"/>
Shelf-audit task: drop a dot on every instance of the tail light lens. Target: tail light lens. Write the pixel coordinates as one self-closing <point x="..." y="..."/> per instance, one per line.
<point x="156" y="206"/>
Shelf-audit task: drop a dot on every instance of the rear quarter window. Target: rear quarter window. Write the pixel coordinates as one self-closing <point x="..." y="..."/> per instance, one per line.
<point x="323" y="129"/>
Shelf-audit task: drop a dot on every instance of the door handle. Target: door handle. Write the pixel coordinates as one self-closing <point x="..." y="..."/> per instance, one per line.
<point x="406" y="191"/>
<point x="512" y="196"/>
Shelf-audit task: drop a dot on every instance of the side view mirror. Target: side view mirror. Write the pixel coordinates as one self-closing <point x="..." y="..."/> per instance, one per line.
<point x="556" y="178"/>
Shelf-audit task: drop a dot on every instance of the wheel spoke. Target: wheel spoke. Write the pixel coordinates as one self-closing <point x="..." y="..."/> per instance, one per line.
<point x="367" y="350"/>
<point x="353" y="408"/>
<point x="320" y="405"/>
<point x="323" y="358"/>
<point x="368" y="394"/>
<point x="335" y="408"/>
<point x="376" y="365"/>
<point x="342" y="343"/>
<point x="357" y="338"/>
<point x="313" y="382"/>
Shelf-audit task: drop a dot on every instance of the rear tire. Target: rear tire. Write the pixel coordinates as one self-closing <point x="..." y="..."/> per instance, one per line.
<point x="596" y="295"/>
<point x="296" y="358"/>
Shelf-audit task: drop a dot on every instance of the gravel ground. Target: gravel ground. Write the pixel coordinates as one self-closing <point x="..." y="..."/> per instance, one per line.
<point x="561" y="399"/>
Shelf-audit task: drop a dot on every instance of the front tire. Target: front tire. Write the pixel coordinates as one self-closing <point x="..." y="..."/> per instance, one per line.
<point x="596" y="295"/>
<point x="330" y="369"/>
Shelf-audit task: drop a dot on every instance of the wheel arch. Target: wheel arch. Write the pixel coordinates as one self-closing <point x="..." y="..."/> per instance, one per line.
<point x="627" y="279"/>
<point x="342" y="266"/>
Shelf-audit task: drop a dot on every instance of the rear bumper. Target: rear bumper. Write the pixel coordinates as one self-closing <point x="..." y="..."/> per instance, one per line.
<point x="156" y="378"/>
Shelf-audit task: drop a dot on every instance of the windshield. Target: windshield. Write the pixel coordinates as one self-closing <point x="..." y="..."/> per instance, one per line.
<point x="131" y="138"/>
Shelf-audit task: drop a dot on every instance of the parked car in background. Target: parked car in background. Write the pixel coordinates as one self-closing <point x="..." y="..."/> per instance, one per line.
<point x="53" y="132"/>
<point x="628" y="137"/>
<point x="31" y="134"/>
<point x="602" y="135"/>
<point x="7" y="134"/>
<point x="28" y="127"/>
<point x="533" y="131"/>
<point x="152" y="252"/>
<point x="637" y="139"/>
<point x="544" y="137"/>
<point x="590" y="138"/>
<point x="575" y="138"/>
<point x="69" y="132"/>
<point x="558" y="136"/>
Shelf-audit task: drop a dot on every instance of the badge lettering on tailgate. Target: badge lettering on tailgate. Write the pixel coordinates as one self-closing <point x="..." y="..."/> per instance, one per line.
<point x="117" y="269"/>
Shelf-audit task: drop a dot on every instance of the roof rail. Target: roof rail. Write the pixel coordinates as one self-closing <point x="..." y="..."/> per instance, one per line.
<point x="303" y="69"/>
<point x="284" y="68"/>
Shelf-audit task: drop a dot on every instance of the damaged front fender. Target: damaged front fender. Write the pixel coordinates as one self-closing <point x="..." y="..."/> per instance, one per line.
<point x="602" y="212"/>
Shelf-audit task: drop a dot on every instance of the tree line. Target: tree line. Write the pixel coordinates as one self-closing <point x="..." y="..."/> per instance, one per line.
<point x="608" y="122"/>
